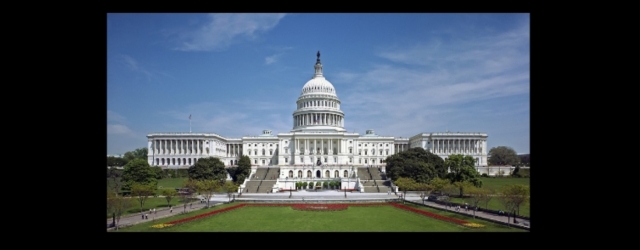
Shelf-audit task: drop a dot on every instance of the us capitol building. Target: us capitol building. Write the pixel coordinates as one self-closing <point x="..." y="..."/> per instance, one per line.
<point x="317" y="145"/>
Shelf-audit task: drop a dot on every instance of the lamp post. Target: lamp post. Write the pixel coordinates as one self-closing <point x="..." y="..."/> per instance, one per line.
<point x="287" y="180"/>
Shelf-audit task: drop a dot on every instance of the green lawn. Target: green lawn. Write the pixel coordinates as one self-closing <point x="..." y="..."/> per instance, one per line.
<point x="285" y="219"/>
<point x="496" y="184"/>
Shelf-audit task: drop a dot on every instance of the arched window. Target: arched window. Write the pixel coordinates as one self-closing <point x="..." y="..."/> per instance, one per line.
<point x="299" y="173"/>
<point x="336" y="174"/>
<point x="346" y="173"/>
<point x="290" y="173"/>
<point x="326" y="174"/>
<point x="308" y="173"/>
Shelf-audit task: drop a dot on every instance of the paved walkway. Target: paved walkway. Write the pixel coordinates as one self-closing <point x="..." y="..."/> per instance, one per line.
<point x="303" y="196"/>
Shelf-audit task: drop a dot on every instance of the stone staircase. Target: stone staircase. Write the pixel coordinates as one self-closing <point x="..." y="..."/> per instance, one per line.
<point x="373" y="180"/>
<point x="363" y="174"/>
<point x="268" y="179"/>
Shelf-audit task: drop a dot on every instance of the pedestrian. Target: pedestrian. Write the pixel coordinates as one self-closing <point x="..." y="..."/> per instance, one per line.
<point x="146" y="216"/>
<point x="170" y="209"/>
<point x="154" y="210"/>
<point x="190" y="205"/>
<point x="142" y="215"/>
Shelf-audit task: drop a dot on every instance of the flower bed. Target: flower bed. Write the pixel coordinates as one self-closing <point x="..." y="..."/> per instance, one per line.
<point x="205" y="214"/>
<point x="436" y="216"/>
<point x="319" y="207"/>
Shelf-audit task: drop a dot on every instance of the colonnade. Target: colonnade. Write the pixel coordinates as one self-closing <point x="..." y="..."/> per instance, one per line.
<point x="310" y="146"/>
<point x="176" y="147"/>
<point x="400" y="147"/>
<point x="318" y="119"/>
<point x="458" y="146"/>
<point x="234" y="149"/>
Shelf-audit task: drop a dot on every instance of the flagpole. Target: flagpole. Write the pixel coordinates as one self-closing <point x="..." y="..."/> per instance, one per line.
<point x="189" y="123"/>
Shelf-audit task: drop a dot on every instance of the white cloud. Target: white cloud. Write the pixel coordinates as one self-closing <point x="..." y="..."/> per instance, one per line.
<point x="226" y="29"/>
<point x="133" y="65"/>
<point x="271" y="59"/>
<point x="118" y="129"/>
<point x="114" y="117"/>
<point x="424" y="84"/>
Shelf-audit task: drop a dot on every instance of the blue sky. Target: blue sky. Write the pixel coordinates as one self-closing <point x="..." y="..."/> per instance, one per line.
<point x="398" y="74"/>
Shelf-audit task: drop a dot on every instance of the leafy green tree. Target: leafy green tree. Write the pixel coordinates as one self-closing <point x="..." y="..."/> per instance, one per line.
<point x="425" y="189"/>
<point x="229" y="187"/>
<point x="210" y="168"/>
<point x="525" y="159"/>
<point x="476" y="196"/>
<point x="415" y="163"/>
<point x="142" y="192"/>
<point x="503" y="156"/>
<point x="462" y="170"/>
<point x="207" y="188"/>
<point x="449" y="190"/>
<point x="115" y="175"/>
<point x="243" y="170"/>
<point x="169" y="194"/>
<point x="439" y="184"/>
<point x="117" y="205"/>
<point x="113" y="161"/>
<point x="405" y="184"/>
<point x="517" y="195"/>
<point x="158" y="171"/>
<point x="138" y="171"/>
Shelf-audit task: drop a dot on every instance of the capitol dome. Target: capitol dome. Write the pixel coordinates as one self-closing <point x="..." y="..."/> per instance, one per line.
<point x="318" y="84"/>
<point x="318" y="107"/>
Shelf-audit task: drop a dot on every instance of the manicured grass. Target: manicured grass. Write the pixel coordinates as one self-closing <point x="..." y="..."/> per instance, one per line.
<point x="494" y="204"/>
<point x="496" y="185"/>
<point x="285" y="219"/>
<point x="498" y="182"/>
<point x="171" y="182"/>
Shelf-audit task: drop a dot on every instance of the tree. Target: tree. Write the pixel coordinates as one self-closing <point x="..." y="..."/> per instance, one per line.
<point x="439" y="184"/>
<point x="229" y="187"/>
<point x="405" y="184"/>
<point x="449" y="191"/>
<point x="425" y="190"/>
<point x="462" y="171"/>
<point x="117" y="205"/>
<point x="158" y="172"/>
<point x="116" y="183"/>
<point x="415" y="163"/>
<point x="207" y="188"/>
<point x="243" y="170"/>
<point x="463" y="186"/>
<point x="169" y="194"/>
<point x="142" y="192"/>
<point x="210" y="168"/>
<point x="138" y="171"/>
<point x="503" y="156"/>
<point x="115" y="161"/>
<point x="485" y="197"/>
<point x="477" y="195"/>
<point x="525" y="159"/>
<point x="517" y="195"/>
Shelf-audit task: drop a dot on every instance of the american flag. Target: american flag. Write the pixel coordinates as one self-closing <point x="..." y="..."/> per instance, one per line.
<point x="189" y="116"/>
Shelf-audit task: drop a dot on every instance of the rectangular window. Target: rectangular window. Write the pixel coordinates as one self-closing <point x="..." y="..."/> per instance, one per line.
<point x="286" y="160"/>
